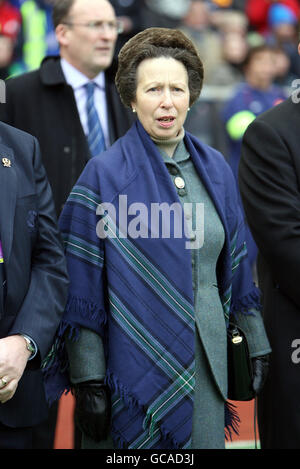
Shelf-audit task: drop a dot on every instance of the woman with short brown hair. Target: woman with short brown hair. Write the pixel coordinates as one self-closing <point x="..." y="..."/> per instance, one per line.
<point x="158" y="265"/>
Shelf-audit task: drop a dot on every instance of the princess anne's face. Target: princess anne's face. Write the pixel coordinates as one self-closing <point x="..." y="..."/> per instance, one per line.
<point x="162" y="96"/>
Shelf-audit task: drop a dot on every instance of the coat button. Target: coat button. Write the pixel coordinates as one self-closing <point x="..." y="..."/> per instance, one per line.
<point x="179" y="182"/>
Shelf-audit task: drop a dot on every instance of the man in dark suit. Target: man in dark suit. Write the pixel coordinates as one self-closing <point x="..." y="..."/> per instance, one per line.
<point x="33" y="285"/>
<point x="269" y="182"/>
<point x="50" y="103"/>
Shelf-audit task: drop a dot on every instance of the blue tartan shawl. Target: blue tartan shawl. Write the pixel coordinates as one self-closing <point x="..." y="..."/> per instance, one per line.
<point x="136" y="292"/>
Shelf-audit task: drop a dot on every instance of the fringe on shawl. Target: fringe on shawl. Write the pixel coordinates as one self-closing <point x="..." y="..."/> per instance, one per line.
<point x="55" y="369"/>
<point x="78" y="307"/>
<point x="247" y="304"/>
<point x="232" y="421"/>
<point x="133" y="403"/>
<point x="55" y="366"/>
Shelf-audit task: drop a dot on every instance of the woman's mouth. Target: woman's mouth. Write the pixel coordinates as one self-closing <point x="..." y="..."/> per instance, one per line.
<point x="166" y="121"/>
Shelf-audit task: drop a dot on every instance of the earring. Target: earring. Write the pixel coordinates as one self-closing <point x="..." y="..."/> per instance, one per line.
<point x="133" y="110"/>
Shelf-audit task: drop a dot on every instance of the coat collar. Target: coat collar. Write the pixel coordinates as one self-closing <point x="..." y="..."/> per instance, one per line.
<point x="8" y="184"/>
<point x="51" y="72"/>
<point x="202" y="157"/>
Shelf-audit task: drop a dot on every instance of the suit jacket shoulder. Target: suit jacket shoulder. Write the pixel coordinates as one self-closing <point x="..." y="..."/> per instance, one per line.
<point x="282" y="115"/>
<point x="13" y="137"/>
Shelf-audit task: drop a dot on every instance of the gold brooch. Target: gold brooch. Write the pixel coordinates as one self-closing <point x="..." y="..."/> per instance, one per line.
<point x="6" y="162"/>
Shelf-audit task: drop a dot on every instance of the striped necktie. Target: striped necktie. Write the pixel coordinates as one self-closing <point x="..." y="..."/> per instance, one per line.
<point x="95" y="136"/>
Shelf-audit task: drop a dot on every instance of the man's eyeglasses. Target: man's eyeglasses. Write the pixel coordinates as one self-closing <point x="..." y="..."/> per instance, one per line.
<point x="100" y="26"/>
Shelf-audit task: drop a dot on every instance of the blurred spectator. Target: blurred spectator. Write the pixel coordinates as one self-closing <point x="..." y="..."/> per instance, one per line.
<point x="234" y="49"/>
<point x="282" y="23"/>
<point x="283" y="32"/>
<point x="258" y="11"/>
<point x="10" y="24"/>
<point x="203" y="119"/>
<point x="284" y="77"/>
<point x="6" y="55"/>
<point x="130" y="12"/>
<point x="234" y="46"/>
<point x="37" y="39"/>
<point x="221" y="39"/>
<point x="196" y="24"/>
<point x="165" y="13"/>
<point x="224" y="4"/>
<point x="254" y="96"/>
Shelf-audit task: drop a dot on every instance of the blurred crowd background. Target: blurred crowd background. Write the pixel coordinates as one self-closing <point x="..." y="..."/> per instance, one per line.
<point x="224" y="31"/>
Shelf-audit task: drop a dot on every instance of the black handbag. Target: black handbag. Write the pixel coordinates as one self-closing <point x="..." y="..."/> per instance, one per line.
<point x="240" y="373"/>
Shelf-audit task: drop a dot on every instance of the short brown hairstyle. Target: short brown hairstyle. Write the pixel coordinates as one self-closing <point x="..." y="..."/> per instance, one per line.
<point x="60" y="12"/>
<point x="154" y="43"/>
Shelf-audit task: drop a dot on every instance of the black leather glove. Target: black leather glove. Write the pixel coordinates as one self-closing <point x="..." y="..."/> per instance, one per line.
<point x="92" y="409"/>
<point x="260" y="367"/>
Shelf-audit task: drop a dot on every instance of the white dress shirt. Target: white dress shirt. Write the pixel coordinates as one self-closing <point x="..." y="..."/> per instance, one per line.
<point x="78" y="80"/>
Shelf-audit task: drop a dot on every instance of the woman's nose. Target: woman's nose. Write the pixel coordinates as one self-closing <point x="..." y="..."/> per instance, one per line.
<point x="167" y="100"/>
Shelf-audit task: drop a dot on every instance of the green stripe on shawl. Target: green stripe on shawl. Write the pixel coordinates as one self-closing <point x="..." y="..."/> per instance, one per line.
<point x="151" y="275"/>
<point x="147" y="342"/>
<point x="81" y="248"/>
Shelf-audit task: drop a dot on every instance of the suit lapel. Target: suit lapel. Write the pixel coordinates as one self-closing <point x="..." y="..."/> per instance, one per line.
<point x="8" y="184"/>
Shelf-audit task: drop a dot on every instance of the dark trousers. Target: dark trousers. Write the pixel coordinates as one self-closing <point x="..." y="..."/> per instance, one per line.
<point x="38" y="437"/>
<point x="15" y="438"/>
<point x="44" y="433"/>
